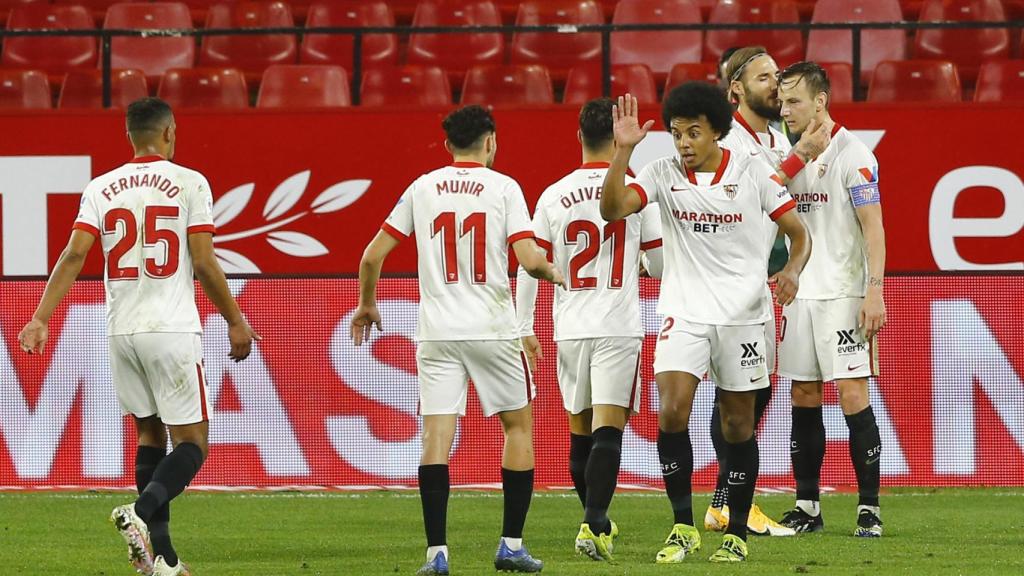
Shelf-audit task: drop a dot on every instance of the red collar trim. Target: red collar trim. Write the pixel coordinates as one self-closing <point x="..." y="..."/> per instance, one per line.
<point x="589" y="165"/>
<point x="742" y="122"/>
<point x="147" y="158"/>
<point x="467" y="165"/>
<point x="692" y="176"/>
<point x="835" y="129"/>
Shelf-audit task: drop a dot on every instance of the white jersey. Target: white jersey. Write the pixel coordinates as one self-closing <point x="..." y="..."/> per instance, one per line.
<point x="600" y="260"/>
<point x="827" y="192"/>
<point x="714" y="234"/>
<point x="142" y="214"/>
<point x="464" y="216"/>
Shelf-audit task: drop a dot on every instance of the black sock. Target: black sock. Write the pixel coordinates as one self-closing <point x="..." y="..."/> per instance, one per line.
<point x="866" y="453"/>
<point x="579" y="453"/>
<point x="744" y="463"/>
<point x="807" y="450"/>
<point x="676" y="455"/>
<point x="518" y="488"/>
<point x="147" y="458"/>
<point x="764" y="396"/>
<point x="718" y="441"/>
<point x="434" y="488"/>
<point x="170" y="478"/>
<point x="602" y="475"/>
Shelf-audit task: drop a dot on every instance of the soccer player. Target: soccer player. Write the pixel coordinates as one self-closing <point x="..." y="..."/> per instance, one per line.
<point x="597" y="321"/>
<point x="465" y="216"/>
<point x="154" y="222"/>
<point x="712" y="294"/>
<point x="828" y="334"/>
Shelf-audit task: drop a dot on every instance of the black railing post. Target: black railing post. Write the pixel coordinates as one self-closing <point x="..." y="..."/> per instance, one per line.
<point x="105" y="48"/>
<point x="858" y="93"/>
<point x="357" y="66"/>
<point x="606" y="62"/>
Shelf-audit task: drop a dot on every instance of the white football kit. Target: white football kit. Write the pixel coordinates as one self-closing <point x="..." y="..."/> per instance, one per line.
<point x="820" y="337"/>
<point x="597" y="320"/>
<point x="465" y="216"/>
<point x="142" y="214"/>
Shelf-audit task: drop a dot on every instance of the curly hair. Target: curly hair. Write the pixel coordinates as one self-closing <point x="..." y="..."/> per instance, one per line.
<point x="464" y="127"/>
<point x="596" y="123"/>
<point x="696" y="99"/>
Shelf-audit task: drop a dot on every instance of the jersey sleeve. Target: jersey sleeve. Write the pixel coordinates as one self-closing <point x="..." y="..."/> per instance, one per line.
<point x="646" y="184"/>
<point x="542" y="228"/>
<point x="517" y="216"/>
<point x="399" y="223"/>
<point x="775" y="198"/>
<point x="650" y="228"/>
<point x="200" y="209"/>
<point x="861" y="177"/>
<point x="88" y="219"/>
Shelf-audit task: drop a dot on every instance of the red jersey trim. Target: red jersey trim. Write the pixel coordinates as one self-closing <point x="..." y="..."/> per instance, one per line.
<point x="147" y="158"/>
<point x="201" y="228"/>
<point x="651" y="244"/>
<point x="835" y="129"/>
<point x="467" y="165"/>
<point x="202" y="392"/>
<point x="590" y="165"/>
<point x="542" y="243"/>
<point x="692" y="176"/>
<point x="639" y="190"/>
<point x="521" y="236"/>
<point x="782" y="210"/>
<point x="395" y="232"/>
<point x="86" y="228"/>
<point x="743" y="122"/>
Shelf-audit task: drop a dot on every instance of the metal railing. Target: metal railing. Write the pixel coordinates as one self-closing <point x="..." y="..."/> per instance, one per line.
<point x="605" y="30"/>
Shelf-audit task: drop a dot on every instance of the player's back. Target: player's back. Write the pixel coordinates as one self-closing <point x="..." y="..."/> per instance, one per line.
<point x="142" y="213"/>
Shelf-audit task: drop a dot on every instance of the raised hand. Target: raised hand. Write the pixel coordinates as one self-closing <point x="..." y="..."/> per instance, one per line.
<point x="626" y="122"/>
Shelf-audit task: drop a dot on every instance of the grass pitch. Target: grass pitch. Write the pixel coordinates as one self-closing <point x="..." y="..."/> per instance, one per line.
<point x="928" y="532"/>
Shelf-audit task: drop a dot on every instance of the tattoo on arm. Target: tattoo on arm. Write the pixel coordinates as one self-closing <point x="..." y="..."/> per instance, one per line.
<point x="872" y="281"/>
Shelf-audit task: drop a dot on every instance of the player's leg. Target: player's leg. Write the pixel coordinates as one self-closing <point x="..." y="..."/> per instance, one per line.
<point x="574" y="385"/>
<point x="152" y="447"/>
<point x="865" y="453"/>
<point x="714" y="519"/>
<point x="580" y="444"/>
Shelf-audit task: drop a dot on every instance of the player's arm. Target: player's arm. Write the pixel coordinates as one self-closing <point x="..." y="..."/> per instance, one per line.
<point x="812" y="143"/>
<point x="532" y="259"/>
<point x="787" y="280"/>
<point x="872" y="314"/>
<point x="652" y="262"/>
<point x="215" y="285"/>
<point x="366" y="314"/>
<point x="33" y="336"/>
<point x="617" y="199"/>
<point x="526" y="303"/>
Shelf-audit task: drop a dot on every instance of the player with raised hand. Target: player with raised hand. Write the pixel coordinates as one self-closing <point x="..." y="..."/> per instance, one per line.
<point x="828" y="334"/>
<point x="597" y="321"/>
<point x="465" y="216"/>
<point x="712" y="294"/>
<point x="154" y="221"/>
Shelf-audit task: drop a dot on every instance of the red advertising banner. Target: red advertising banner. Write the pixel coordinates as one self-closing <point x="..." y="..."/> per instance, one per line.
<point x="309" y="408"/>
<point x="303" y="192"/>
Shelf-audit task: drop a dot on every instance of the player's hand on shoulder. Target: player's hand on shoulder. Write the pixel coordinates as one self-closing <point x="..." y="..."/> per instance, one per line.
<point x="787" y="283"/>
<point x="362" y="323"/>
<point x="872" y="316"/>
<point x="33" y="336"/>
<point x="241" y="336"/>
<point x="626" y="122"/>
<point x="532" y="349"/>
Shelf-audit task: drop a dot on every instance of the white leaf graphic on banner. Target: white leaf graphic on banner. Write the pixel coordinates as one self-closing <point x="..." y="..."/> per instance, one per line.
<point x="234" y="263"/>
<point x="340" y="195"/>
<point x="231" y="204"/>
<point x="286" y="195"/>
<point x="296" y="244"/>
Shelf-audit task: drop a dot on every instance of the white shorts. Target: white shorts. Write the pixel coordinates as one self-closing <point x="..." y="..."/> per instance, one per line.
<point x="599" y="371"/>
<point x="735" y="355"/>
<point x="820" y="341"/>
<point x="160" y="373"/>
<point x="498" y="368"/>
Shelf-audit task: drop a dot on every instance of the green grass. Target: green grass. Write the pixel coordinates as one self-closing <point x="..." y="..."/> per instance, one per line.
<point x="929" y="532"/>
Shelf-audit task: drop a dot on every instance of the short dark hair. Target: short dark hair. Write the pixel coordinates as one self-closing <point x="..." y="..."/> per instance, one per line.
<point x="596" y="123"/>
<point x="696" y="99"/>
<point x="813" y="75"/>
<point x="147" y="115"/>
<point x="464" y="127"/>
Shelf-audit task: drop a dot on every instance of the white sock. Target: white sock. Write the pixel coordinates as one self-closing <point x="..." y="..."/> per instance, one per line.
<point x="514" y="544"/>
<point x="873" y="509"/>
<point x="811" y="507"/>
<point x="433" y="550"/>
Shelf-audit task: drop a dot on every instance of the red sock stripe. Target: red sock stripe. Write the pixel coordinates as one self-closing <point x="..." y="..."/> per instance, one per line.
<point x="526" y="374"/>
<point x="202" y="391"/>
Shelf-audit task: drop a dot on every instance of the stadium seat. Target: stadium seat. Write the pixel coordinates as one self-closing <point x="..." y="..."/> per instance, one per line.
<point x="558" y="52"/>
<point x="406" y="86"/>
<point x="965" y="48"/>
<point x="658" y="50"/>
<point x="840" y="76"/>
<point x="304" y="86"/>
<point x="507" y="85"/>
<point x="875" y="45"/>
<point x="697" y="71"/>
<point x="204" y="88"/>
<point x="84" y="88"/>
<point x="786" y="46"/>
<point x="378" y="49"/>
<point x="97" y="8"/>
<point x="915" y="81"/>
<point x="584" y="83"/>
<point x="53" y="54"/>
<point x="24" y="90"/>
<point x="456" y="52"/>
<point x="1000" y="81"/>
<point x="250" y="54"/>
<point x="153" y="56"/>
<point x="7" y="5"/>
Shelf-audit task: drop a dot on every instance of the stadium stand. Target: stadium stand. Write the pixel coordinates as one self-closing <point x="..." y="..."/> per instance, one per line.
<point x="250" y="54"/>
<point x="84" y="88"/>
<point x="680" y="73"/>
<point x="840" y="75"/>
<point x="377" y="49"/>
<point x="584" y="83"/>
<point x="54" y="55"/>
<point x="456" y="52"/>
<point x="965" y="48"/>
<point x="24" y="90"/>
<point x="786" y="46"/>
<point x="875" y="45"/>
<point x="407" y="86"/>
<point x="558" y="52"/>
<point x="1000" y="81"/>
<point x="508" y="85"/>
<point x="915" y="81"/>
<point x="204" y="88"/>
<point x="658" y="50"/>
<point x="304" y="86"/>
<point x="153" y="56"/>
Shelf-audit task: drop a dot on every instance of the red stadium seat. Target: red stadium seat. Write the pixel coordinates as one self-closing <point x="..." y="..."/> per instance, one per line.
<point x="204" y="88"/>
<point x="659" y="50"/>
<point x="97" y="8"/>
<point x="55" y="55"/>
<point x="507" y="85"/>
<point x="697" y="71"/>
<point x="915" y="81"/>
<point x="875" y="45"/>
<point x="584" y="83"/>
<point x="304" y="86"/>
<point x="965" y="48"/>
<point x="840" y="76"/>
<point x="786" y="46"/>
<point x="1000" y="81"/>
<point x="153" y="56"/>
<point x="7" y="5"/>
<point x="406" y="86"/>
<point x="24" y="90"/>
<point x="378" y="49"/>
<point x="559" y="52"/>
<point x="84" y="88"/>
<point x="251" y="54"/>
<point x="456" y="52"/>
